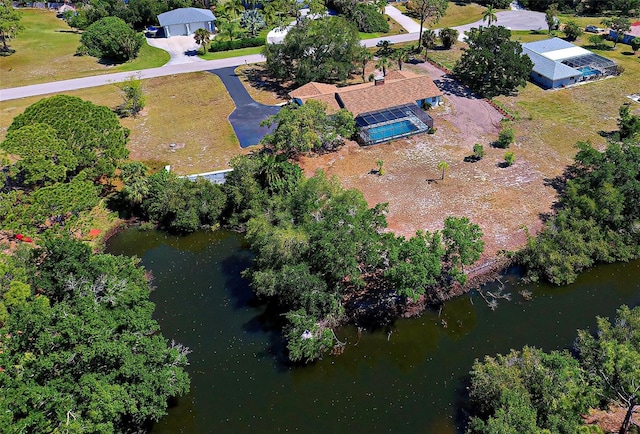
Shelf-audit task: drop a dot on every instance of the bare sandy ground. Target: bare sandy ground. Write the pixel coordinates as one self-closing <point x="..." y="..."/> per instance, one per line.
<point x="505" y="201"/>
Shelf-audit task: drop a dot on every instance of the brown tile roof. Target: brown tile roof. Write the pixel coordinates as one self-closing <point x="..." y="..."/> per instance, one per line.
<point x="389" y="94"/>
<point x="400" y="87"/>
<point x="312" y="89"/>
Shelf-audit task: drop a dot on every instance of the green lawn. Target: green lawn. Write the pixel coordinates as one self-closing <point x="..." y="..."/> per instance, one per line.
<point x="45" y="51"/>
<point x="231" y="53"/>
<point x="524" y="36"/>
<point x="456" y="15"/>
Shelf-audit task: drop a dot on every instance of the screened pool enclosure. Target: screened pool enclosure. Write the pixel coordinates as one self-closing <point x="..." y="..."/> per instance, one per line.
<point x="392" y="123"/>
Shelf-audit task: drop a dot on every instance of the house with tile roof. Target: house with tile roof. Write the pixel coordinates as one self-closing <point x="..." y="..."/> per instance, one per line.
<point x="385" y="109"/>
<point x="558" y="63"/>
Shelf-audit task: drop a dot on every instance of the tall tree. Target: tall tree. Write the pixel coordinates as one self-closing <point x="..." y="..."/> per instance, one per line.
<point x="383" y="63"/>
<point x="551" y="17"/>
<point x="489" y="15"/>
<point x="84" y="353"/>
<point x="620" y="25"/>
<point x="611" y="357"/>
<point x="463" y="244"/>
<point x="300" y="129"/>
<point x="364" y="56"/>
<point x="202" y="38"/>
<point x="323" y="50"/>
<point x="401" y="55"/>
<point x="111" y="38"/>
<point x="428" y="40"/>
<point x="9" y="22"/>
<point x="93" y="133"/>
<point x="493" y="64"/>
<point x="428" y="11"/>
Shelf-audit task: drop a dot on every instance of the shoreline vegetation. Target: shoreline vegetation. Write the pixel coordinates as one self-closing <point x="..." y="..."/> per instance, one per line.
<point x="323" y="255"/>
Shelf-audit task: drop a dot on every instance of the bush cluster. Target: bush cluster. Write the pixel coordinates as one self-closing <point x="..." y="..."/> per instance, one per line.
<point x="234" y="45"/>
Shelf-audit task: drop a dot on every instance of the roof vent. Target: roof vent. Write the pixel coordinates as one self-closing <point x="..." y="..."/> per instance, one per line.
<point x="379" y="80"/>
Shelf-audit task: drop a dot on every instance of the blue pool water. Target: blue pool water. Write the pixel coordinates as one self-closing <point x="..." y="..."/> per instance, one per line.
<point x="389" y="131"/>
<point x="587" y="71"/>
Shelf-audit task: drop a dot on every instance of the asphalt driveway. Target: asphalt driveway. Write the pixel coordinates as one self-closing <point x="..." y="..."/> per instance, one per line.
<point x="246" y="118"/>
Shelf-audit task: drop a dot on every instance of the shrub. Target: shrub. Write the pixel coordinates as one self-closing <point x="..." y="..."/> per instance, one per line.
<point x="478" y="151"/>
<point x="234" y="45"/>
<point x="505" y="138"/>
<point x="509" y="158"/>
<point x="572" y="30"/>
<point x="111" y="38"/>
<point x="597" y="41"/>
<point x="432" y="130"/>
<point x="448" y="37"/>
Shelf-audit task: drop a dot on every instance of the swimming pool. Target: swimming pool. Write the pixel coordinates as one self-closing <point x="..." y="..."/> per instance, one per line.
<point x="587" y="71"/>
<point x="393" y="130"/>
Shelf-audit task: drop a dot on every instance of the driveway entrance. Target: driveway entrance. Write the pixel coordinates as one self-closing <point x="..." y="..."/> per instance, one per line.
<point x="246" y="118"/>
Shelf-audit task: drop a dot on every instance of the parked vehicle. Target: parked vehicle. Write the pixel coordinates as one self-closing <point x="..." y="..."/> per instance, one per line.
<point x="593" y="29"/>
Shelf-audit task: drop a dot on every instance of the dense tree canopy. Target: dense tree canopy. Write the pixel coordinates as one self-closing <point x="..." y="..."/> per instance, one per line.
<point x="92" y="133"/>
<point x="300" y="129"/>
<point x="9" y="22"/>
<point x="525" y="392"/>
<point x="530" y="391"/>
<point x="611" y="358"/>
<point x="63" y="151"/>
<point x="598" y="216"/>
<point x="80" y="350"/>
<point x="315" y="50"/>
<point x="323" y="256"/>
<point x="493" y="64"/>
<point x="111" y="38"/>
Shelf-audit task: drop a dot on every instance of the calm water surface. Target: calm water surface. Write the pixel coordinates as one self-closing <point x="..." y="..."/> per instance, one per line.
<point x="405" y="379"/>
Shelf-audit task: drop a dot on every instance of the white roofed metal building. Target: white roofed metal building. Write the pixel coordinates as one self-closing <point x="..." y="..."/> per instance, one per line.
<point x="185" y="21"/>
<point x="558" y="63"/>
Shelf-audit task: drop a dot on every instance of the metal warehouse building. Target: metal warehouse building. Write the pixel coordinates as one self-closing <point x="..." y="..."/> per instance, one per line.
<point x="185" y="21"/>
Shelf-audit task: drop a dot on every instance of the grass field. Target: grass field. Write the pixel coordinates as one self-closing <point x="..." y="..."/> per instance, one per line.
<point x="45" y="51"/>
<point x="456" y="15"/>
<point x="190" y="111"/>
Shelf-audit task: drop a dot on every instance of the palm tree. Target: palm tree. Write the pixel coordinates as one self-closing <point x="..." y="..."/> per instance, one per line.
<point x="231" y="29"/>
<point x="383" y="63"/>
<point x="429" y="39"/>
<point x="364" y="56"/>
<point x="443" y="166"/>
<point x="381" y="4"/>
<point x="489" y="15"/>
<point x="252" y="21"/>
<point x="400" y="55"/>
<point x="234" y="8"/>
<point x="202" y="37"/>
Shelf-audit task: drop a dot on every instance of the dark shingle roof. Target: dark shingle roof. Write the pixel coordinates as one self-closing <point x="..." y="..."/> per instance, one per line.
<point x="185" y="16"/>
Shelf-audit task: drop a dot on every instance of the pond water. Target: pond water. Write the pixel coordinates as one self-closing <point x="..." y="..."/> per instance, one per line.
<point x="404" y="379"/>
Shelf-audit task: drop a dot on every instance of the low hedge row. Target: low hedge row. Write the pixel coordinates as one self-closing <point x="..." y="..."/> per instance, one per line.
<point x="234" y="45"/>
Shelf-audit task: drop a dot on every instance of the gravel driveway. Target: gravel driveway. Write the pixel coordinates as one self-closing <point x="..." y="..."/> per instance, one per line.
<point x="181" y="48"/>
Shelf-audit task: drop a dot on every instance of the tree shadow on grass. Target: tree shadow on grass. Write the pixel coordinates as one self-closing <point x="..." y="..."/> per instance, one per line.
<point x="448" y="84"/>
<point x="259" y="78"/>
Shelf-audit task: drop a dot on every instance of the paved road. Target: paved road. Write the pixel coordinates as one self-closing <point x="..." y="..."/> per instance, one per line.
<point x="515" y="19"/>
<point x="248" y="114"/>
